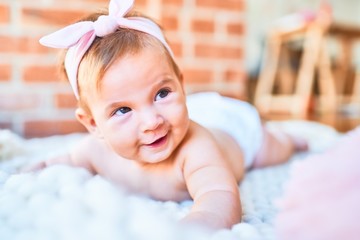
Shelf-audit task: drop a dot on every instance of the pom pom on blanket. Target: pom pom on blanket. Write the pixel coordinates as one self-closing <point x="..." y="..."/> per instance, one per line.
<point x="321" y="199"/>
<point x="10" y="144"/>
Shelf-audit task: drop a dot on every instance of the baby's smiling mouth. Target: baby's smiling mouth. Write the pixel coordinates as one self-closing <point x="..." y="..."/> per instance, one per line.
<point x="158" y="142"/>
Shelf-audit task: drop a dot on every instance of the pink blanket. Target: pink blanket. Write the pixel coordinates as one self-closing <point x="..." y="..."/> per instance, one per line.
<point x="321" y="199"/>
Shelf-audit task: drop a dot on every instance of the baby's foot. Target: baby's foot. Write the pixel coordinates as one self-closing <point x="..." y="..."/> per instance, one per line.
<point x="300" y="144"/>
<point x="278" y="147"/>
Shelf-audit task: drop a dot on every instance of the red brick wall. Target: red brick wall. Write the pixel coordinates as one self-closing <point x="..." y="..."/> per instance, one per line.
<point x="207" y="37"/>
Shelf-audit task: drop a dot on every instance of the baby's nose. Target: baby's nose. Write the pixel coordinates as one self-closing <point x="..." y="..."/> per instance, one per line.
<point x="151" y="119"/>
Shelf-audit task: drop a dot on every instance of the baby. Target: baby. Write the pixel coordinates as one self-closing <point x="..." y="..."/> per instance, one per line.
<point x="145" y="134"/>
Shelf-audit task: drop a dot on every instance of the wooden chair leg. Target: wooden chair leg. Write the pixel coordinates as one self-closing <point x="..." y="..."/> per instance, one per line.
<point x="327" y="89"/>
<point x="344" y="63"/>
<point x="267" y="76"/>
<point x="304" y="83"/>
<point x="286" y="74"/>
<point x="355" y="97"/>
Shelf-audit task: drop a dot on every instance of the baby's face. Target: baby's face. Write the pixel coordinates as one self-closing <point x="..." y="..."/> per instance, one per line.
<point x="140" y="110"/>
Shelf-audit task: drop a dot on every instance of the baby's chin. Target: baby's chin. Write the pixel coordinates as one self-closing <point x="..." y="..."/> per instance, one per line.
<point x="151" y="160"/>
<point x="154" y="158"/>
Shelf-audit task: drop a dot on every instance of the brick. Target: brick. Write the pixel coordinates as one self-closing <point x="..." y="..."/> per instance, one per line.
<point x="177" y="49"/>
<point x="40" y="74"/>
<point x="19" y="101"/>
<point x="4" y="14"/>
<point x="169" y="23"/>
<point x="204" y="26"/>
<point x="138" y="2"/>
<point x="231" y="5"/>
<point x="236" y="92"/>
<point x="65" y="100"/>
<point x="84" y="1"/>
<point x="96" y="1"/>
<point x="44" y="128"/>
<point x="50" y="16"/>
<point x="22" y="45"/>
<point x="234" y="75"/>
<point x="236" y="28"/>
<point x="8" y="44"/>
<point x="192" y="76"/>
<point x="5" y="72"/>
<point x="216" y="51"/>
<point x="173" y="2"/>
<point x="31" y="45"/>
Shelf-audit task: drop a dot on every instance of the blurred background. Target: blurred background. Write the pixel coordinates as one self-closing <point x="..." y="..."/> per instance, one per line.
<point x="225" y="46"/>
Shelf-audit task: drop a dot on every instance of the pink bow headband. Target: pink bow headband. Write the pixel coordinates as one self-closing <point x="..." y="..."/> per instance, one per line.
<point x="78" y="37"/>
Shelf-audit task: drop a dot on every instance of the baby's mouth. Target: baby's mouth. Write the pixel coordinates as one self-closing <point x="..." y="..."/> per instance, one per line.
<point x="158" y="142"/>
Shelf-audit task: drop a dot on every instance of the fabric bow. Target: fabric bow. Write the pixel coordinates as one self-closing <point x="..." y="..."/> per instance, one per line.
<point x="78" y="37"/>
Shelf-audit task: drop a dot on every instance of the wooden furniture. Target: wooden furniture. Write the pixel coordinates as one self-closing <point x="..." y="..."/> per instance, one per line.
<point x="347" y="86"/>
<point x="295" y="91"/>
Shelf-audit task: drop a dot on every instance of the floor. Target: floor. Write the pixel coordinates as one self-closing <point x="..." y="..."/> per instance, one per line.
<point x="340" y="121"/>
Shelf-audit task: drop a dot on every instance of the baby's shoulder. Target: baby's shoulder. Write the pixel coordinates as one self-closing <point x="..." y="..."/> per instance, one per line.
<point x="91" y="149"/>
<point x="200" y="143"/>
<point x="199" y="136"/>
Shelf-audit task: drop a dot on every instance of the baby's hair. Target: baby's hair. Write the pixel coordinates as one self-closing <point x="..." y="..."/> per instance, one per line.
<point x="104" y="51"/>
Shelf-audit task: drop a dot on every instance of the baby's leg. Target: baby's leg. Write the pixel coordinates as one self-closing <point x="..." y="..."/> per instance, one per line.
<point x="277" y="148"/>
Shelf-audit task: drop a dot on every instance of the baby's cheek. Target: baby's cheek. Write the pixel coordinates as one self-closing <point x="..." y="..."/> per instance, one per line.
<point x="119" y="141"/>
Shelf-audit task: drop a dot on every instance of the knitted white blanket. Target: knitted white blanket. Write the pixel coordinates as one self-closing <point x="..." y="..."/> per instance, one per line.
<point x="68" y="203"/>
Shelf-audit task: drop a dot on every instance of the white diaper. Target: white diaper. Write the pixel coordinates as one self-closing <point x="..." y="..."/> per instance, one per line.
<point x="239" y="119"/>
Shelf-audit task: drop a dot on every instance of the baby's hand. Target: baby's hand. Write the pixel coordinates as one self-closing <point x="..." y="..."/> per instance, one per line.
<point x="34" y="167"/>
<point x="62" y="159"/>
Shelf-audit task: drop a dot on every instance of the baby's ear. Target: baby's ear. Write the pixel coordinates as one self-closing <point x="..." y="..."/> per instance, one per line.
<point x="88" y="121"/>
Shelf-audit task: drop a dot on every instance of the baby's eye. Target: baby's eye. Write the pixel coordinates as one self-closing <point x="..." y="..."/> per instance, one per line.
<point x="122" y="110"/>
<point x="162" y="94"/>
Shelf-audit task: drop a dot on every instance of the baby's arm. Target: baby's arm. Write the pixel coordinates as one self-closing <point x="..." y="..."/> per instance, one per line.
<point x="214" y="190"/>
<point x="61" y="159"/>
<point x="78" y="156"/>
